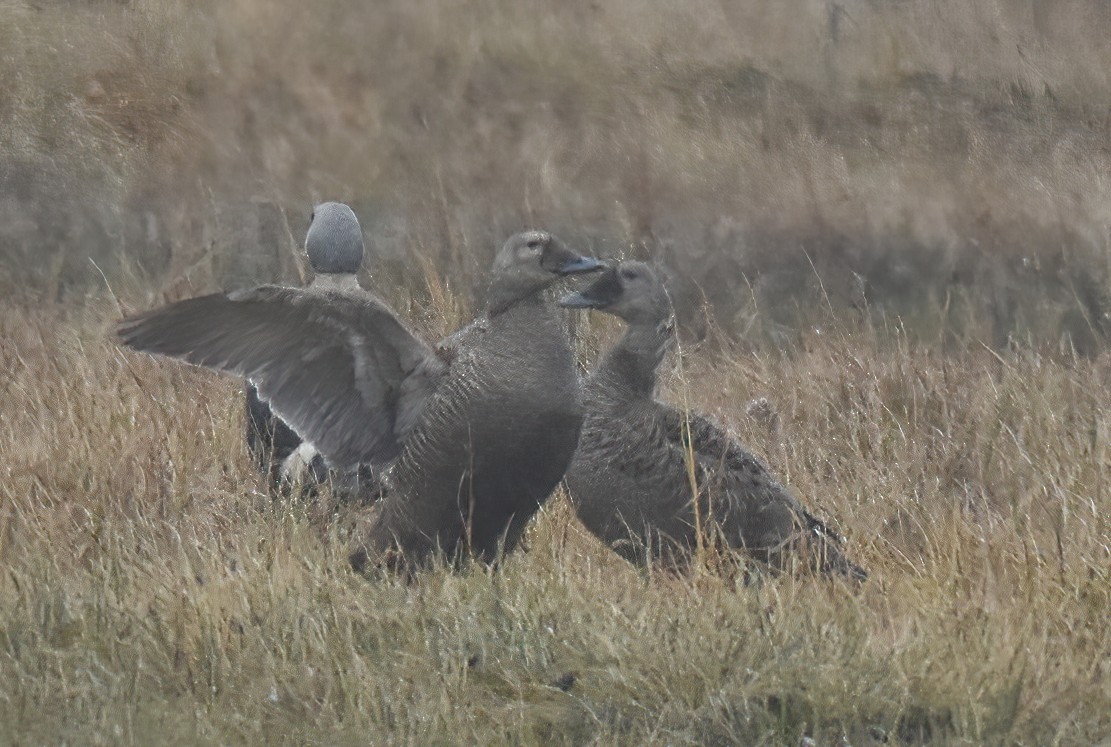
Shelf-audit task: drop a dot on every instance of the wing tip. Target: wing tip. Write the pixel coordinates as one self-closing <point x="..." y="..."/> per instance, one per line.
<point x="130" y="332"/>
<point x="124" y="331"/>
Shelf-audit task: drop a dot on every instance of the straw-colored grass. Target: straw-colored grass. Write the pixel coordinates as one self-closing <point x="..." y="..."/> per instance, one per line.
<point x="908" y="150"/>
<point x="867" y="188"/>
<point x="151" y="594"/>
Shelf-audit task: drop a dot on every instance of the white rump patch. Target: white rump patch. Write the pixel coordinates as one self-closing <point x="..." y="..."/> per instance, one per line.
<point x="296" y="464"/>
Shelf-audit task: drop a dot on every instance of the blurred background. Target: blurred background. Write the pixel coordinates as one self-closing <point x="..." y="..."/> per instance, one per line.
<point x="937" y="164"/>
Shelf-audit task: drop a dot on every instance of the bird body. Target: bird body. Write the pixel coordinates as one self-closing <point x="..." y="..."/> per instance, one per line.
<point x="647" y="477"/>
<point x="470" y="442"/>
<point x="512" y="386"/>
<point x="335" y="249"/>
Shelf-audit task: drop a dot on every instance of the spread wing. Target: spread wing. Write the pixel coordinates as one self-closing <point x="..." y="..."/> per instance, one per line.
<point x="340" y="368"/>
<point x="269" y="438"/>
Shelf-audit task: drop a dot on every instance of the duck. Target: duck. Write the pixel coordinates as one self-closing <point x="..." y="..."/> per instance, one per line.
<point x="470" y="441"/>
<point x="648" y="477"/>
<point x="335" y="248"/>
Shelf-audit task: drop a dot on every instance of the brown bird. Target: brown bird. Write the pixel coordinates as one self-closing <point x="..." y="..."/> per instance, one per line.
<point x="471" y="443"/>
<point x="334" y="245"/>
<point x="631" y="477"/>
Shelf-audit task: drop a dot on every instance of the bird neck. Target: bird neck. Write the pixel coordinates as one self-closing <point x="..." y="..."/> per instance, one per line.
<point x="341" y="281"/>
<point x="631" y="368"/>
<point x="504" y="297"/>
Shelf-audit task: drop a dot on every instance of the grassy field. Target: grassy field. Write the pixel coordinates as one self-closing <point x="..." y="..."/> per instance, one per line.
<point x="910" y="151"/>
<point x="151" y="593"/>
<point x="892" y="220"/>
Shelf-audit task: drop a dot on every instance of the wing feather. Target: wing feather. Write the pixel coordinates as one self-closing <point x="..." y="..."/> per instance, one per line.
<point x="333" y="365"/>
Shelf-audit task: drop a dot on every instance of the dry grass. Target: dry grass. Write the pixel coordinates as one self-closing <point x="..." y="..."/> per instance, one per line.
<point x="877" y="188"/>
<point x="910" y="151"/>
<point x="150" y="593"/>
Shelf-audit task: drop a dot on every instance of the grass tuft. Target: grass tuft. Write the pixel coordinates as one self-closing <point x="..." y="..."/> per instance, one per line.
<point x="152" y="592"/>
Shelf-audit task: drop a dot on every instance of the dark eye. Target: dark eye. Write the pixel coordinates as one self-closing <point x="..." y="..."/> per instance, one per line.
<point x="628" y="273"/>
<point x="534" y="244"/>
<point x="312" y="216"/>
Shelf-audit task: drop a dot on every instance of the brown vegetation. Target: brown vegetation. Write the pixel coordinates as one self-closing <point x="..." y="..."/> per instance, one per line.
<point x="921" y="156"/>
<point x="151" y="591"/>
<point x="897" y="211"/>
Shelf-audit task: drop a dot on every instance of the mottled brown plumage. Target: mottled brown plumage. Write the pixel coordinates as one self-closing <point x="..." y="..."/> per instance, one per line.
<point x="499" y="432"/>
<point x="473" y="443"/>
<point x="631" y="477"/>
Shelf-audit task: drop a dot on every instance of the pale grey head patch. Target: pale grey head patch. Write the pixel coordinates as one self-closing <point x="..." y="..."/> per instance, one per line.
<point x="334" y="242"/>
